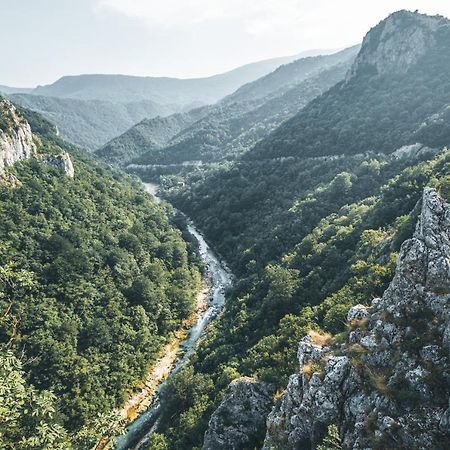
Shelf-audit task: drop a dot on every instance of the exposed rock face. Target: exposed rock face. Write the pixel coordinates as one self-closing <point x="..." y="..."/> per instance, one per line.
<point x="414" y="151"/>
<point x="240" y="419"/>
<point x="61" y="162"/>
<point x="388" y="385"/>
<point x="16" y="138"/>
<point x="397" y="43"/>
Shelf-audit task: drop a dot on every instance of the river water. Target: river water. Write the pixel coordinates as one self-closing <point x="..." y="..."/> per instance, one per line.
<point x="139" y="432"/>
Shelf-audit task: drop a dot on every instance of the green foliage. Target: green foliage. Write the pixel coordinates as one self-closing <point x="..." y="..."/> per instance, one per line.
<point x="372" y="112"/>
<point x="308" y="240"/>
<point x="94" y="278"/>
<point x="236" y="124"/>
<point x="158" y="442"/>
<point x="90" y="123"/>
<point x="27" y="417"/>
<point x="331" y="441"/>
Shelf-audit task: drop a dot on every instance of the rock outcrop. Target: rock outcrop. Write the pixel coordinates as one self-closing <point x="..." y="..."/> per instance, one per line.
<point x="240" y="419"/>
<point x="61" y="162"/>
<point x="397" y="43"/>
<point x="16" y="138"/>
<point x="388" y="385"/>
<point x="415" y="151"/>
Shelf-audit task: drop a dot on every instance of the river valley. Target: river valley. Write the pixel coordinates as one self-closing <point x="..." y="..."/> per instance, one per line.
<point x="218" y="279"/>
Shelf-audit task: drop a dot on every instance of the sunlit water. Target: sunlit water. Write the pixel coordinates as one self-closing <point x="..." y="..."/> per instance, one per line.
<point x="139" y="431"/>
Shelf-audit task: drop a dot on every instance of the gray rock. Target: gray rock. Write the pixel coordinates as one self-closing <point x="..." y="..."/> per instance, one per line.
<point x="16" y="140"/>
<point x="397" y="43"/>
<point x="61" y="162"/>
<point x="393" y="392"/>
<point x="357" y="312"/>
<point x="240" y="418"/>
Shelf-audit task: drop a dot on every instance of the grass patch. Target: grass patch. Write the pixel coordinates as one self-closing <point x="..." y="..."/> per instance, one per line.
<point x="320" y="339"/>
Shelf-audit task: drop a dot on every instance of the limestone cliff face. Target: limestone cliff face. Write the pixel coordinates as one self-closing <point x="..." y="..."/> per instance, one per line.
<point x="397" y="43"/>
<point x="240" y="418"/>
<point x="16" y="138"/>
<point x="17" y="143"/>
<point x="61" y="162"/>
<point x="388" y="385"/>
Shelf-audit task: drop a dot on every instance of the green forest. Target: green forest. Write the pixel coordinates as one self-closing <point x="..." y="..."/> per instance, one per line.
<point x="305" y="184"/>
<point x="371" y="112"/>
<point x="94" y="279"/>
<point x="305" y="250"/>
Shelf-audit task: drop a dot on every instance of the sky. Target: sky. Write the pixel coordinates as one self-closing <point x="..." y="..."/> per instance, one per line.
<point x="43" y="40"/>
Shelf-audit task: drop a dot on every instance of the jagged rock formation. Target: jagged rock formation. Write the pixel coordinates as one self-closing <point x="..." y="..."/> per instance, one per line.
<point x="61" y="162"/>
<point x="16" y="138"/>
<point x="240" y="418"/>
<point x="397" y="43"/>
<point x="388" y="385"/>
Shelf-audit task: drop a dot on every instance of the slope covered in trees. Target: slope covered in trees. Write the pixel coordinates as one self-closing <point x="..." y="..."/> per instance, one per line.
<point x="94" y="278"/>
<point x="233" y="129"/>
<point x="149" y="135"/>
<point x="91" y="123"/>
<point x="309" y="237"/>
<point x="308" y="240"/>
<point x="378" y="107"/>
<point x="240" y="120"/>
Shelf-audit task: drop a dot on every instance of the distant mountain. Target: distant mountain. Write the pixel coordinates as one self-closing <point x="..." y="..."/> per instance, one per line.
<point x="397" y="83"/>
<point x="14" y="90"/>
<point x="240" y="120"/>
<point x="91" y="123"/>
<point x="288" y="75"/>
<point x="123" y="88"/>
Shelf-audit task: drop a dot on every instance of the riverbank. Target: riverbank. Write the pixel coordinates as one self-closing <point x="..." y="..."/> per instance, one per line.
<point x="147" y="404"/>
<point x="160" y="370"/>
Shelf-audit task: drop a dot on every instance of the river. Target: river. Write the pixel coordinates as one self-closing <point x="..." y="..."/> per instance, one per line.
<point x="139" y="432"/>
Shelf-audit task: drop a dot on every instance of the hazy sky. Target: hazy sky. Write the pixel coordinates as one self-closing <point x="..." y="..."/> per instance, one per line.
<point x="43" y="40"/>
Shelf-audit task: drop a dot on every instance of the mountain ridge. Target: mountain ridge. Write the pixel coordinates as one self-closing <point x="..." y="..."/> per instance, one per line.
<point x="162" y="90"/>
<point x="391" y="106"/>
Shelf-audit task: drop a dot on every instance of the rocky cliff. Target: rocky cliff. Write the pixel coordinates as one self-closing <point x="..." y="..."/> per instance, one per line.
<point x="387" y="385"/>
<point x="397" y="43"/>
<point x="239" y="421"/>
<point x="61" y="162"/>
<point x="16" y="138"/>
<point x="17" y="143"/>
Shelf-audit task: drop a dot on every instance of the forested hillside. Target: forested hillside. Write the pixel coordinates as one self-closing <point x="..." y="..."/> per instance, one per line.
<point x="235" y="124"/>
<point x="310" y="236"/>
<point x="149" y="135"/>
<point x="94" y="278"/>
<point x="306" y="249"/>
<point x="91" y="123"/>
<point x="231" y="130"/>
<point x="379" y="107"/>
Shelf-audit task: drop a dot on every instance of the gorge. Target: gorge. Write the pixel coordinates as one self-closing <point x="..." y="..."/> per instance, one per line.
<point x="323" y="181"/>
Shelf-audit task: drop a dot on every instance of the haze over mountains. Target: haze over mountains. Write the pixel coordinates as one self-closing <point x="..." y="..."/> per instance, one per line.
<point x="90" y="110"/>
<point x="236" y="122"/>
<point x="164" y="90"/>
<point x="91" y="123"/>
<point x="324" y="183"/>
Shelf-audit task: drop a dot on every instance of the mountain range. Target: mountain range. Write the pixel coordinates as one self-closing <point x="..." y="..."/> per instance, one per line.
<point x="239" y="120"/>
<point x="90" y="110"/>
<point x="324" y="183"/>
